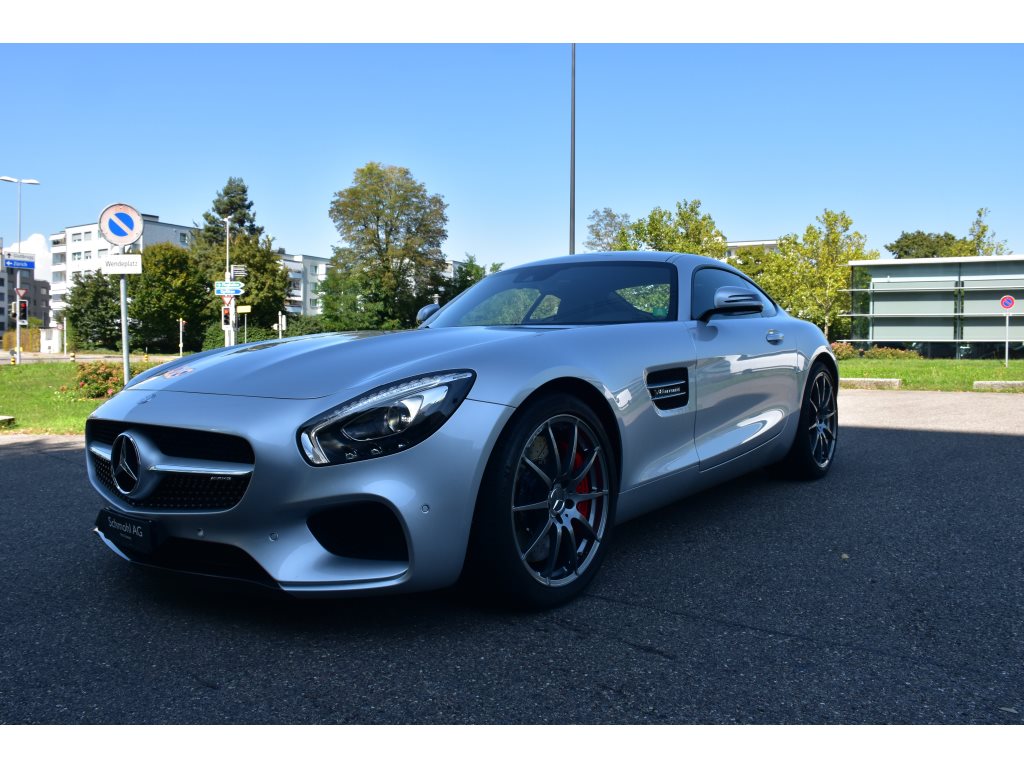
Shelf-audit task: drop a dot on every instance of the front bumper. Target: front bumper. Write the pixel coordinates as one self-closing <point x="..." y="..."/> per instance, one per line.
<point x="430" y="489"/>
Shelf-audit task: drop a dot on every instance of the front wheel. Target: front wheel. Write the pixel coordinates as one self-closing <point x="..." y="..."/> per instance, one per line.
<point x="546" y="506"/>
<point x="814" y="446"/>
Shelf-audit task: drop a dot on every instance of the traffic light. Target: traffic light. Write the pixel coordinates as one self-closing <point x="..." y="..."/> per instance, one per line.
<point x="22" y="311"/>
<point x="225" y="318"/>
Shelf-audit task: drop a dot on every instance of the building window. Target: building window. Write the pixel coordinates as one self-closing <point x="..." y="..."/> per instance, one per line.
<point x="101" y="253"/>
<point x="58" y="277"/>
<point x="183" y="238"/>
<point x="314" y="303"/>
<point x="76" y="256"/>
<point x="87" y="254"/>
<point x="76" y="237"/>
<point x="88" y="236"/>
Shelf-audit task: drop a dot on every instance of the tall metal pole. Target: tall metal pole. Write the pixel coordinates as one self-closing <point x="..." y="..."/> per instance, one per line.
<point x="17" y="289"/>
<point x="229" y="335"/>
<point x="17" y="271"/>
<point x="572" y="160"/>
<point x="124" y="327"/>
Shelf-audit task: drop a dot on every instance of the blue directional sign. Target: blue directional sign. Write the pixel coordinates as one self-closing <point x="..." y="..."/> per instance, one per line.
<point x="120" y="224"/>
<point x="228" y="288"/>
<point x="20" y="261"/>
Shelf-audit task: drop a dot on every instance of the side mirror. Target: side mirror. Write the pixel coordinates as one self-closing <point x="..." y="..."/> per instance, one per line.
<point x="426" y="312"/>
<point x="733" y="300"/>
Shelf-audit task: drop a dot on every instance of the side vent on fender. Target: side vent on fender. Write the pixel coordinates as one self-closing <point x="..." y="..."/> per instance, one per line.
<point x="669" y="388"/>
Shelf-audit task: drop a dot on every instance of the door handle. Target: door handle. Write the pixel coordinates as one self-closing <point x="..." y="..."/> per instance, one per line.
<point x="774" y="337"/>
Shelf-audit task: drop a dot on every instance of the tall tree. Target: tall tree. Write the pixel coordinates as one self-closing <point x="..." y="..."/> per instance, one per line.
<point x="391" y="260"/>
<point x="231" y="201"/>
<point x="171" y="286"/>
<point x="981" y="239"/>
<point x="688" y="230"/>
<point x="926" y="245"/>
<point x="94" y="310"/>
<point x="810" y="274"/>
<point x="604" y="227"/>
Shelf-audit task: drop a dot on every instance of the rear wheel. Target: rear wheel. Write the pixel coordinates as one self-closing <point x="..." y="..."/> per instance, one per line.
<point x="546" y="506"/>
<point x="814" y="446"/>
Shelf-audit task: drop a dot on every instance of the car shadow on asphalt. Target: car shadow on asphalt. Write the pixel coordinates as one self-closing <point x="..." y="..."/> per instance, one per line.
<point x="890" y="494"/>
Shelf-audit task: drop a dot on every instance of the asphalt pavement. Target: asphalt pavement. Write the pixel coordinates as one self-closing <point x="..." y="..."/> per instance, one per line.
<point x="889" y="592"/>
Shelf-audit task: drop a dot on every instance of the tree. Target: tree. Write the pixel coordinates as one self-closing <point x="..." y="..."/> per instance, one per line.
<point x="751" y="260"/>
<point x="94" y="310"/>
<point x="232" y="201"/>
<point x="604" y="227"/>
<point x="391" y="260"/>
<point x="266" y="281"/>
<point x="981" y="241"/>
<point x="810" y="274"/>
<point x="926" y="245"/>
<point x="686" y="231"/>
<point x="172" y="285"/>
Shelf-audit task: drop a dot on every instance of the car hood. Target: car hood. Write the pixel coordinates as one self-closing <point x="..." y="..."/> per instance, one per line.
<point x="307" y="367"/>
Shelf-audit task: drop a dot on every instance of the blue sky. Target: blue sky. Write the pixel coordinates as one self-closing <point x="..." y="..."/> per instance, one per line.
<point x="901" y="137"/>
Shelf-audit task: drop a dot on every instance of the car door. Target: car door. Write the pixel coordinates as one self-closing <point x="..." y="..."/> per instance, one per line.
<point x="746" y="372"/>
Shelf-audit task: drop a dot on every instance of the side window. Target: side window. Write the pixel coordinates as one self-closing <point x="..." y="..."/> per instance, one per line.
<point x="708" y="280"/>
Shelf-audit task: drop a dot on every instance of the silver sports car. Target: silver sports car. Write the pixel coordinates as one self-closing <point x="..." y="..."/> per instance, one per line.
<point x="501" y="441"/>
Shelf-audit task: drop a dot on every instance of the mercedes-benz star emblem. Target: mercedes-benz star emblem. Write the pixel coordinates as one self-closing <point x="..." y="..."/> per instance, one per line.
<point x="125" y="463"/>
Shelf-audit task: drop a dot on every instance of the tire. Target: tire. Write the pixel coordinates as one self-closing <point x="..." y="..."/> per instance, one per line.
<point x="544" y="517"/>
<point x="814" y="446"/>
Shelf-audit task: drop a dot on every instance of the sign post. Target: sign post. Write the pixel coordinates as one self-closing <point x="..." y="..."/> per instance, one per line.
<point x="121" y="225"/>
<point x="18" y="262"/>
<point x="244" y="309"/>
<point x="1007" y="302"/>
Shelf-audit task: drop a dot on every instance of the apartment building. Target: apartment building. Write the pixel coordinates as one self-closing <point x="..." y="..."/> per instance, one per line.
<point x="81" y="249"/>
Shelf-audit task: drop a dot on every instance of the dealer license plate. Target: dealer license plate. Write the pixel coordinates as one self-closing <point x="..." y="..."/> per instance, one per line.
<point x="127" y="531"/>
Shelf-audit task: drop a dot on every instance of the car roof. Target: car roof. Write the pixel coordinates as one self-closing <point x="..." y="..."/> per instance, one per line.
<point x="682" y="259"/>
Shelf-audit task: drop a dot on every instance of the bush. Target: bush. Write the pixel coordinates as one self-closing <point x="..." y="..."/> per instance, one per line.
<point x="889" y="353"/>
<point x="844" y="350"/>
<point x="104" y="378"/>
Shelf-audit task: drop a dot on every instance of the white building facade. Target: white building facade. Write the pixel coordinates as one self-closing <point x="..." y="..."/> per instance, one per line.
<point x="81" y="248"/>
<point x="305" y="273"/>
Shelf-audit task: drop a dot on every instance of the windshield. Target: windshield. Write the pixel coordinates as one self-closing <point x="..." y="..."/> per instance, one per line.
<point x="571" y="294"/>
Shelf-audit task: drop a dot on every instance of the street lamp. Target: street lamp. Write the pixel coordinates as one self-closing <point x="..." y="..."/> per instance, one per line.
<point x="17" y="271"/>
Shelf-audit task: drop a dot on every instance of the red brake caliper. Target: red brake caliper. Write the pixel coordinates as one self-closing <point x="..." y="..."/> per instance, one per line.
<point x="583" y="486"/>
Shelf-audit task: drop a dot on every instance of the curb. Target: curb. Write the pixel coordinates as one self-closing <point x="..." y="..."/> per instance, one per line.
<point x="998" y="385"/>
<point x="870" y="383"/>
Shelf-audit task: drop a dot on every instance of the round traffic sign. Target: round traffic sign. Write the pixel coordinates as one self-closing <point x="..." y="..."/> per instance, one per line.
<point x="120" y="224"/>
<point x="1007" y="302"/>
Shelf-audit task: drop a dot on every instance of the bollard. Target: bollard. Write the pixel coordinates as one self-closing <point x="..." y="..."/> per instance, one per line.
<point x="72" y="357"/>
<point x="145" y="358"/>
<point x="14" y="358"/>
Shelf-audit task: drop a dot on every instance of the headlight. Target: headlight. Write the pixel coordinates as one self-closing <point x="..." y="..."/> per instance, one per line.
<point x="385" y="420"/>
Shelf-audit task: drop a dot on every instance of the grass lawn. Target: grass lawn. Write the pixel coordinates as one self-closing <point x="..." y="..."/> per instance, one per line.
<point x="30" y="393"/>
<point x="942" y="375"/>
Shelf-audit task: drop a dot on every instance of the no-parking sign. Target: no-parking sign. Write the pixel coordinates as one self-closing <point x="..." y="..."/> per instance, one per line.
<point x="120" y="224"/>
<point x="1007" y="302"/>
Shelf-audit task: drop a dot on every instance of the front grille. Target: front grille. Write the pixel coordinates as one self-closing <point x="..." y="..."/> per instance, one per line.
<point x="180" y="490"/>
<point x="175" y="441"/>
